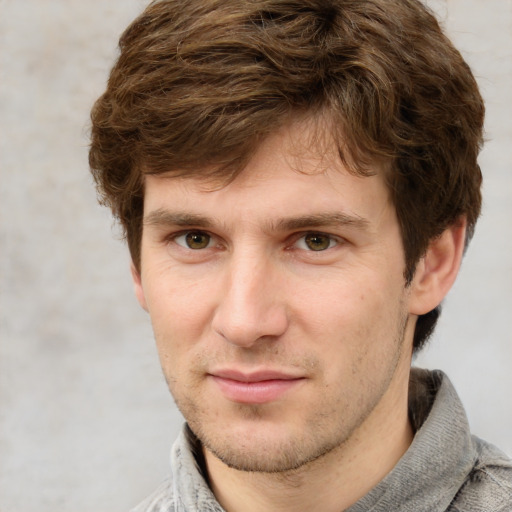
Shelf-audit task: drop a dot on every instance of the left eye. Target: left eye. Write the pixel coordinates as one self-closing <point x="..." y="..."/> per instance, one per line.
<point x="194" y="240"/>
<point x="316" y="242"/>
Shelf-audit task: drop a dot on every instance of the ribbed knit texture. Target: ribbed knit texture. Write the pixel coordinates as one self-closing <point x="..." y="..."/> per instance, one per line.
<point x="445" y="469"/>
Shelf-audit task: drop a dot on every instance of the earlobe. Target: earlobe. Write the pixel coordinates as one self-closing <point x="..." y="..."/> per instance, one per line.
<point x="437" y="270"/>
<point x="137" y="286"/>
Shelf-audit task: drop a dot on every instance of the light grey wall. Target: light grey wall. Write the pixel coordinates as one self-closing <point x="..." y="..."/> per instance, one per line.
<point x="85" y="418"/>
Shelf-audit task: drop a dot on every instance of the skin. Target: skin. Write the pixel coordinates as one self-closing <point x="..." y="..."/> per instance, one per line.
<point x="234" y="281"/>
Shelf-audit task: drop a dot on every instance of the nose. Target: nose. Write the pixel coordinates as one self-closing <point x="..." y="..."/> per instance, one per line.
<point x="250" y="308"/>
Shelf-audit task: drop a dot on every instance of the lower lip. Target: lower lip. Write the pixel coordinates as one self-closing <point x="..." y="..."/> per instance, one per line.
<point x="254" y="392"/>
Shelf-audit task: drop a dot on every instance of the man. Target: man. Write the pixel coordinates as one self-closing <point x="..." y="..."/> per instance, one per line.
<point x="297" y="181"/>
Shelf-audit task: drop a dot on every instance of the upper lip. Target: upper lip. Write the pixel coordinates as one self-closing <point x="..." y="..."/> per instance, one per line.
<point x="253" y="376"/>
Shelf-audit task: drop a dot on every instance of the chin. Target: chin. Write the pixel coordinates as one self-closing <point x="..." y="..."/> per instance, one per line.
<point x="266" y="448"/>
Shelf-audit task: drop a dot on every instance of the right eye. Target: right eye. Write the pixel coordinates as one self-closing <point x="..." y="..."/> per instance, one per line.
<point x="194" y="240"/>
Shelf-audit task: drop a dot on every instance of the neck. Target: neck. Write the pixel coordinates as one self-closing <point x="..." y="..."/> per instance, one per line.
<point x="333" y="482"/>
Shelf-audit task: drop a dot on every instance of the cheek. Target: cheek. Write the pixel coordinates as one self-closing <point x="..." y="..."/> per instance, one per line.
<point x="176" y="302"/>
<point x="341" y="304"/>
<point x="180" y="316"/>
<point x="356" y="323"/>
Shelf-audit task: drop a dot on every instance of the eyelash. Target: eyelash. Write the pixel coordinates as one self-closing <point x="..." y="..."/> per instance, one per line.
<point x="333" y="241"/>
<point x="174" y="238"/>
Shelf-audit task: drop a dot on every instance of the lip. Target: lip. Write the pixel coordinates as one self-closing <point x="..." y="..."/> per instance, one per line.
<point x="257" y="387"/>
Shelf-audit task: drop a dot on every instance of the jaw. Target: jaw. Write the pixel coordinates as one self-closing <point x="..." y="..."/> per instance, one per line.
<point x="341" y="474"/>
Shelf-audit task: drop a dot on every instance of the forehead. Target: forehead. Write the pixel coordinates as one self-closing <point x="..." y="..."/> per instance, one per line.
<point x="298" y="169"/>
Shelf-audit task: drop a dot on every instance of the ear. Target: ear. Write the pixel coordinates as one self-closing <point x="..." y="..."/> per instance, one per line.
<point x="137" y="286"/>
<point x="437" y="270"/>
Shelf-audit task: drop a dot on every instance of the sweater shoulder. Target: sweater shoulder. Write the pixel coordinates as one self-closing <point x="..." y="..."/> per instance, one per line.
<point x="488" y="487"/>
<point x="160" y="500"/>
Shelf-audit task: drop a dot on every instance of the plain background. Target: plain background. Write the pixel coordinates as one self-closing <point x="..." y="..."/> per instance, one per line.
<point x="86" y="421"/>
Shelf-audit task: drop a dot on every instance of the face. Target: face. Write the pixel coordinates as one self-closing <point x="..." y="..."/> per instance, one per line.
<point x="278" y="304"/>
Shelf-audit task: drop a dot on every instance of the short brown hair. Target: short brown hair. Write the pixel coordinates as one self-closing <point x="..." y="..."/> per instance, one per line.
<point x="199" y="83"/>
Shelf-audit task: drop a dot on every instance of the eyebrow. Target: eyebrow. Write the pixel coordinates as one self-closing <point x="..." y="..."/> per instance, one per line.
<point x="162" y="217"/>
<point x="321" y="219"/>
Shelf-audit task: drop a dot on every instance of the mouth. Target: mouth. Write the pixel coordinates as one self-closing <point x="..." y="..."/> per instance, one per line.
<point x="254" y="387"/>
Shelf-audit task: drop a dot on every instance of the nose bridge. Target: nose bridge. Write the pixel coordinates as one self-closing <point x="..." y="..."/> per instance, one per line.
<point x="249" y="308"/>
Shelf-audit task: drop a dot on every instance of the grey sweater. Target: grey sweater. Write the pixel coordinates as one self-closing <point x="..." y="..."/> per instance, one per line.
<point x="444" y="470"/>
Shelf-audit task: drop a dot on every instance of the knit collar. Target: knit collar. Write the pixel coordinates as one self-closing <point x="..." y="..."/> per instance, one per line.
<point x="441" y="456"/>
<point x="425" y="479"/>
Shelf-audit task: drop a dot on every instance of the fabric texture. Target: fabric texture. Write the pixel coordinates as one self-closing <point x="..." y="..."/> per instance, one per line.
<point x="445" y="469"/>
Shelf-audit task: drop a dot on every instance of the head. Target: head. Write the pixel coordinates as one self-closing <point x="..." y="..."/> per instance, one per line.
<point x="200" y="84"/>
<point x="286" y="174"/>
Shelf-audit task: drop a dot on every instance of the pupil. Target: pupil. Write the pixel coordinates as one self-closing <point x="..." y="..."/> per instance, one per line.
<point x="197" y="240"/>
<point x="317" y="242"/>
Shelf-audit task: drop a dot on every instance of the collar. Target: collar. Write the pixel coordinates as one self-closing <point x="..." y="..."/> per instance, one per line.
<point x="441" y="456"/>
<point x="426" y="478"/>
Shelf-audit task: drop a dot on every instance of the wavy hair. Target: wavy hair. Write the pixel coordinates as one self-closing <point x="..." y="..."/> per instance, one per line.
<point x="199" y="83"/>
